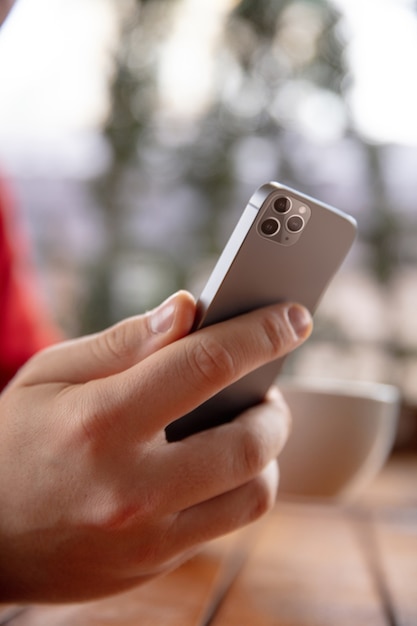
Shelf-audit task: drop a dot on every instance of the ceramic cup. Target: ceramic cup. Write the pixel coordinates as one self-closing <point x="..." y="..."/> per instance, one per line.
<point x="342" y="434"/>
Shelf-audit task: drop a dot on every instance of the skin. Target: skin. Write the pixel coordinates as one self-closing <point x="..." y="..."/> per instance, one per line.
<point x="5" y="6"/>
<point x="93" y="500"/>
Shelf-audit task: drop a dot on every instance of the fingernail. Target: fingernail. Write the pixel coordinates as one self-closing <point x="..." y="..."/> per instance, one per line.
<point x="300" y="320"/>
<point x="162" y="318"/>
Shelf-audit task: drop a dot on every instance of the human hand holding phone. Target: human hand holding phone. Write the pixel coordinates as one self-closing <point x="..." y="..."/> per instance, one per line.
<point x="93" y="499"/>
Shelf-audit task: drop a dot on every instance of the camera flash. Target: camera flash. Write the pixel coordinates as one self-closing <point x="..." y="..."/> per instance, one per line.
<point x="302" y="210"/>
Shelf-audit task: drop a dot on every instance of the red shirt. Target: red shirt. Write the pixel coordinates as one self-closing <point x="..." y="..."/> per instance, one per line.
<point x="25" y="324"/>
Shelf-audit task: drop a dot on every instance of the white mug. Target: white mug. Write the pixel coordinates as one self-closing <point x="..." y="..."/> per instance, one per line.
<point x="342" y="434"/>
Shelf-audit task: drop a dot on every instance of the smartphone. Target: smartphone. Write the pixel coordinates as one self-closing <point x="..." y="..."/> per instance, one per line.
<point x="285" y="247"/>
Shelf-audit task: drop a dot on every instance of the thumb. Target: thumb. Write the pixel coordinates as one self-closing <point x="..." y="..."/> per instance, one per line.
<point x="116" y="349"/>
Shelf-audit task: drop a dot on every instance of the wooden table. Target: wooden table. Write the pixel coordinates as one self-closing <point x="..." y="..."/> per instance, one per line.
<point x="305" y="564"/>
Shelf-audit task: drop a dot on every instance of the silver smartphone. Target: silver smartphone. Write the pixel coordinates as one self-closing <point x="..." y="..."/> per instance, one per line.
<point x="285" y="247"/>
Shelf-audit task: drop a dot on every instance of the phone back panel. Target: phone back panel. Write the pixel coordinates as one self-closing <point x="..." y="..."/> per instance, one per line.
<point x="255" y="270"/>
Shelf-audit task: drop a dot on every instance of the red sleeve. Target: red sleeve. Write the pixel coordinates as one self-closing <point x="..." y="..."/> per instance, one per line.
<point x="25" y="324"/>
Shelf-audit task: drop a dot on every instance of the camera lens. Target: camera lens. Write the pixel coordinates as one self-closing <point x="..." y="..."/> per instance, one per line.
<point x="295" y="223"/>
<point x="282" y="204"/>
<point x="270" y="227"/>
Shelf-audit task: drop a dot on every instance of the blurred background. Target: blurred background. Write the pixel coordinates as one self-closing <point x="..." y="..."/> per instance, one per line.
<point x="134" y="132"/>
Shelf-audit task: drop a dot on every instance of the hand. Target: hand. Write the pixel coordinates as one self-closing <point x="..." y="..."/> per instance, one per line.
<point x="93" y="500"/>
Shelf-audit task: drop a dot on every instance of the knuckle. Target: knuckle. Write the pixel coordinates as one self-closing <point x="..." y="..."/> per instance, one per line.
<point x="97" y="417"/>
<point x="112" y="516"/>
<point x="275" y="333"/>
<point x="262" y="498"/>
<point x="253" y="453"/>
<point x="116" y="341"/>
<point x="111" y="510"/>
<point x="211" y="361"/>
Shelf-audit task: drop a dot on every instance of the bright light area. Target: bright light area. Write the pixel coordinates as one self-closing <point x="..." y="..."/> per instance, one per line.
<point x="382" y="53"/>
<point x="55" y="62"/>
<point x="186" y="70"/>
<point x="54" y="65"/>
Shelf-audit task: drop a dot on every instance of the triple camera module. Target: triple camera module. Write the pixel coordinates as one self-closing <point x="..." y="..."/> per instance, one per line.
<point x="284" y="219"/>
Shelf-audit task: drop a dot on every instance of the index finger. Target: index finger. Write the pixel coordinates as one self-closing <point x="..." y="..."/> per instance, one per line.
<point x="182" y="375"/>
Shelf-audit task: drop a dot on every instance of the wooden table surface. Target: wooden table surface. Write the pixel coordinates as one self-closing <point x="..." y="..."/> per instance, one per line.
<point x="305" y="564"/>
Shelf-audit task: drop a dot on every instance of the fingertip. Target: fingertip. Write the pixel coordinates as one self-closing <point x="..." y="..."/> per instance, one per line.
<point x="174" y="316"/>
<point x="264" y="491"/>
<point x="274" y="416"/>
<point x="272" y="475"/>
<point x="276" y="398"/>
<point x="186" y="304"/>
<point x="184" y="312"/>
<point x="300" y="320"/>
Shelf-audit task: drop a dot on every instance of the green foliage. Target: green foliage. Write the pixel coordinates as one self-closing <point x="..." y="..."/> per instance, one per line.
<point x="267" y="45"/>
